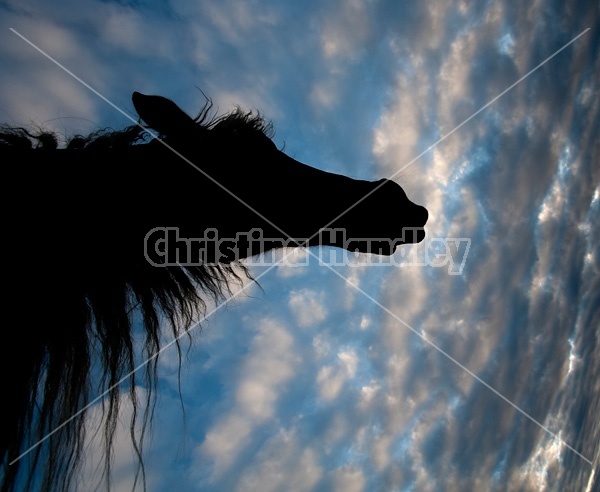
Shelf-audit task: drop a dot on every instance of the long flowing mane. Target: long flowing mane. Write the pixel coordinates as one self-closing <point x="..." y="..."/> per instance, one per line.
<point x="92" y="304"/>
<point x="95" y="348"/>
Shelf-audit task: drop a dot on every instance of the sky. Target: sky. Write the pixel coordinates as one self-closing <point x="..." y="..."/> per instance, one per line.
<point x="470" y="363"/>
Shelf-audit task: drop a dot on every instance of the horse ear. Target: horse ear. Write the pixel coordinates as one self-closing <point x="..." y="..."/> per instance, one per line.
<point x="161" y="114"/>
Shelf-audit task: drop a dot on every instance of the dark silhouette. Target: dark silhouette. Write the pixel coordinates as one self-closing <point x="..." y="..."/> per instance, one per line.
<point x="80" y="261"/>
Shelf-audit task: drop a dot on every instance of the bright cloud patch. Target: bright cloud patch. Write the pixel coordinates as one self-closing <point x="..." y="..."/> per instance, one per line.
<point x="307" y="306"/>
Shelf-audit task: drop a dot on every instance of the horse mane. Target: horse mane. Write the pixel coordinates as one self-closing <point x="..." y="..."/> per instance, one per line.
<point x="70" y="352"/>
<point x="237" y="121"/>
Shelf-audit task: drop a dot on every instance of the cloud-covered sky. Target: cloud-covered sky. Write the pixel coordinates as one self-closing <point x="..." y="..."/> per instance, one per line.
<point x="309" y="383"/>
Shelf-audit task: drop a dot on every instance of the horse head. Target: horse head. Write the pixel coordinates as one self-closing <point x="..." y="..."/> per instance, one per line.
<point x="290" y="202"/>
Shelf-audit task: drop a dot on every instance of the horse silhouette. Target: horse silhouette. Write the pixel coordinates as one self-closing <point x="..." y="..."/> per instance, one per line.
<point x="98" y="232"/>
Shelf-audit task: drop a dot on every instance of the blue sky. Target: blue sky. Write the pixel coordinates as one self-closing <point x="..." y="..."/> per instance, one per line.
<point x="308" y="384"/>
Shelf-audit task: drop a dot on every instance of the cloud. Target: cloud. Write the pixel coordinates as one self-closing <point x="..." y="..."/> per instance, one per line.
<point x="139" y="33"/>
<point x="344" y="34"/>
<point x="348" y="479"/>
<point x="225" y="441"/>
<point x="307" y="306"/>
<point x="397" y="135"/>
<point x="261" y="377"/>
<point x="331" y="378"/>
<point x="284" y="462"/>
<point x="35" y="91"/>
